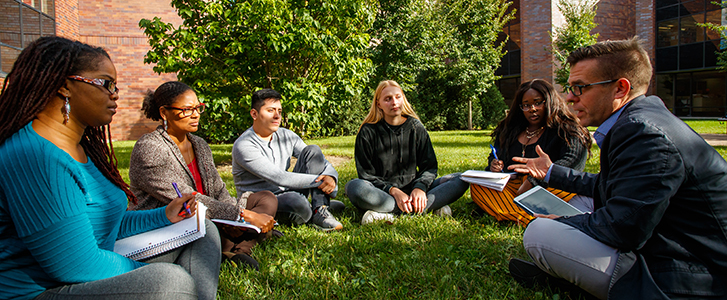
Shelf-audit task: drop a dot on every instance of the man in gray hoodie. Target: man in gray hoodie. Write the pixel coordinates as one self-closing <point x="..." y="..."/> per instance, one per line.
<point x="261" y="158"/>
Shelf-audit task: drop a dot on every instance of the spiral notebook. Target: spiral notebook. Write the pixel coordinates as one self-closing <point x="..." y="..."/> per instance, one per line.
<point x="160" y="240"/>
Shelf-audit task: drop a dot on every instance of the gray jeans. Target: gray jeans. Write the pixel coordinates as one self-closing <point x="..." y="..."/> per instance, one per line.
<point x="568" y="253"/>
<point x="293" y="205"/>
<point x="188" y="272"/>
<point x="443" y="191"/>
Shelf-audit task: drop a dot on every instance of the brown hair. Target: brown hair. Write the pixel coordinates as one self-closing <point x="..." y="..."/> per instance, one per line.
<point x="555" y="113"/>
<point x="618" y="59"/>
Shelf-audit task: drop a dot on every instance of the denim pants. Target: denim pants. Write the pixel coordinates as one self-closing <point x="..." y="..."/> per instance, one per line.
<point x="293" y="205"/>
<point x="443" y="191"/>
<point x="188" y="272"/>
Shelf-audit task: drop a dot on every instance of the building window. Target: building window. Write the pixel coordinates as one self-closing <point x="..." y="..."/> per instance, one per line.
<point x="693" y="94"/>
<point x="24" y="21"/>
<point x="510" y="62"/>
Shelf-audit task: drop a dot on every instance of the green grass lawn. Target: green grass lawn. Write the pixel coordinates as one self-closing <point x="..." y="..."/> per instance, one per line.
<point x="421" y="257"/>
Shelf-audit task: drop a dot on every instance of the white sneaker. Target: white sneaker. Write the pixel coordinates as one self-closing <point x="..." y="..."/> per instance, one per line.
<point x="371" y="216"/>
<point x="445" y="211"/>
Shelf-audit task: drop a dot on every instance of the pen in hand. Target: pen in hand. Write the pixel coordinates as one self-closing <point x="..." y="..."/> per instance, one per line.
<point x="184" y="204"/>
<point x="494" y="151"/>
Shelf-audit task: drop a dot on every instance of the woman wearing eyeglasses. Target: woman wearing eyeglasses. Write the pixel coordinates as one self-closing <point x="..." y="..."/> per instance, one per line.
<point x="171" y="153"/>
<point x="63" y="203"/>
<point x="538" y="117"/>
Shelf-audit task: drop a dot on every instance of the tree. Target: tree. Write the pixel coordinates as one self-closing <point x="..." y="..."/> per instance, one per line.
<point x="311" y="51"/>
<point x="443" y="52"/>
<point x="579" y="21"/>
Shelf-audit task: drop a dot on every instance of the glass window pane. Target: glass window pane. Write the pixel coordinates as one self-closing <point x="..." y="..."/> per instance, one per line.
<point x="691" y="56"/>
<point x="9" y="55"/>
<point x="667" y="59"/>
<point x="515" y="62"/>
<point x="691" y="7"/>
<point x="662" y="3"/>
<point x="31" y="25"/>
<point x="515" y="37"/>
<point x="710" y="56"/>
<point x="504" y="65"/>
<point x="690" y="32"/>
<point x="665" y="89"/>
<point x="683" y="100"/>
<point x="667" y="13"/>
<point x="714" y="17"/>
<point x="708" y="94"/>
<point x="10" y="25"/>
<point x="667" y="33"/>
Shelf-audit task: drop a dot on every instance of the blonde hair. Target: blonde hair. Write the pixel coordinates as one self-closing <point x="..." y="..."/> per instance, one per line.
<point x="375" y="114"/>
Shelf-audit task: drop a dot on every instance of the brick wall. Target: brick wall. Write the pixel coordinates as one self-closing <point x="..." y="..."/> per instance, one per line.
<point x="615" y="19"/>
<point x="537" y="18"/>
<point x="113" y="24"/>
<point x="67" y="18"/>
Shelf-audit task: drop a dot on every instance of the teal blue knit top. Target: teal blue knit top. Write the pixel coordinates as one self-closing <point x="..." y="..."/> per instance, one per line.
<point x="59" y="219"/>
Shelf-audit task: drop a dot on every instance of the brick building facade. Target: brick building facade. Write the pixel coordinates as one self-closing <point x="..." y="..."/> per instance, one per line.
<point x="111" y="24"/>
<point x="682" y="53"/>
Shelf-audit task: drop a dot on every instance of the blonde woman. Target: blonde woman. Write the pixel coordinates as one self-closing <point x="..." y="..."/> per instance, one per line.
<point x="396" y="163"/>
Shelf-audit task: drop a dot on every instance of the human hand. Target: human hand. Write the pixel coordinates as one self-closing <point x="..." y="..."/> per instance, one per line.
<point x="175" y="211"/>
<point x="418" y="200"/>
<point x="263" y="221"/>
<point x="402" y="199"/>
<point x="551" y="216"/>
<point x="535" y="167"/>
<point x="328" y="183"/>
<point x="496" y="165"/>
<point x="524" y="187"/>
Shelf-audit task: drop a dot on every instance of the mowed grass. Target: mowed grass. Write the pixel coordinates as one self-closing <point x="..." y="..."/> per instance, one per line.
<point x="418" y="257"/>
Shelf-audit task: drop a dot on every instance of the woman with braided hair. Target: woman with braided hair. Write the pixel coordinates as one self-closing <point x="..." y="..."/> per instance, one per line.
<point x="63" y="203"/>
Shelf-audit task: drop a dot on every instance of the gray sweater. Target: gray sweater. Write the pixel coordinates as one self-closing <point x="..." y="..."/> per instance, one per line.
<point x="156" y="162"/>
<point x="259" y="165"/>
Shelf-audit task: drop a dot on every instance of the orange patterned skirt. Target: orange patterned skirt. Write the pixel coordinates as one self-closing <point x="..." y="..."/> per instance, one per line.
<point x="501" y="204"/>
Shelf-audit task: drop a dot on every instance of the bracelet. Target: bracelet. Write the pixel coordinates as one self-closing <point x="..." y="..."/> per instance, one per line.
<point x="241" y="216"/>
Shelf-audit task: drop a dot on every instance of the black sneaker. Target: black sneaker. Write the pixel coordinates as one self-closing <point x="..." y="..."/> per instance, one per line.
<point x="528" y="275"/>
<point x="323" y="220"/>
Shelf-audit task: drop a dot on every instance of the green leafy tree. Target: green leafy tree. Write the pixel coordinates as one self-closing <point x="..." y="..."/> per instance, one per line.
<point x="444" y="53"/>
<point x="313" y="52"/>
<point x="722" y="30"/>
<point x="579" y="21"/>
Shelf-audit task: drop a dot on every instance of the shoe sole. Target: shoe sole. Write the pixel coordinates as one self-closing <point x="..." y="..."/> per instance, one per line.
<point x="329" y="229"/>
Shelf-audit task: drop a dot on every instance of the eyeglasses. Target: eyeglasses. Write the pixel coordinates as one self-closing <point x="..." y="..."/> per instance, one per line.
<point x="577" y="89"/>
<point x="186" y="112"/>
<point x="108" y="84"/>
<point x="528" y="107"/>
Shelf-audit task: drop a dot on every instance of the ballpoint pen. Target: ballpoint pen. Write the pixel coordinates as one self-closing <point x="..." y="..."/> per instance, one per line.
<point x="184" y="204"/>
<point x="494" y="151"/>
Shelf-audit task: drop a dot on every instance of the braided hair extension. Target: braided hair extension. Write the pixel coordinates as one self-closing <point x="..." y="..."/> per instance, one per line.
<point x="37" y="75"/>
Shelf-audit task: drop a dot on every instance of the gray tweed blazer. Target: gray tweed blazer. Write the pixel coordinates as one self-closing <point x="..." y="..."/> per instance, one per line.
<point x="156" y="162"/>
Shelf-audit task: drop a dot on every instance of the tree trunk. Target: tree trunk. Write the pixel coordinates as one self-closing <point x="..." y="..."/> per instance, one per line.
<point x="469" y="114"/>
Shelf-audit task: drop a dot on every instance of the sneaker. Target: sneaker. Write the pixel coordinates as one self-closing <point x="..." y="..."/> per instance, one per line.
<point x="528" y="275"/>
<point x="445" y="211"/>
<point x="324" y="220"/>
<point x="371" y="216"/>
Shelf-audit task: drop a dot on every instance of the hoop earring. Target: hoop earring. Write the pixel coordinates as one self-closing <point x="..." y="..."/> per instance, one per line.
<point x="165" y="125"/>
<point x="66" y="111"/>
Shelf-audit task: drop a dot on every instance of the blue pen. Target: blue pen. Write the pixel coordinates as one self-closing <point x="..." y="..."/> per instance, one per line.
<point x="184" y="205"/>
<point x="494" y="151"/>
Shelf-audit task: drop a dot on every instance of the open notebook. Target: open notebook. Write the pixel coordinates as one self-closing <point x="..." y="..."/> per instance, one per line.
<point x="160" y="240"/>
<point x="494" y="180"/>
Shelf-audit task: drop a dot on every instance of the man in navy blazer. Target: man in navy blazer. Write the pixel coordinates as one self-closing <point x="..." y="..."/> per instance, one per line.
<point x="659" y="225"/>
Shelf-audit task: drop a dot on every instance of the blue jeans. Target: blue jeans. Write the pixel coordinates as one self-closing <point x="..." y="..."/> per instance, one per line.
<point x="443" y="191"/>
<point x="188" y="272"/>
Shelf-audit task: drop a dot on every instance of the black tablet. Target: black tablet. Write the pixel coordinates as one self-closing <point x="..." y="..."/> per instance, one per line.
<point x="541" y="201"/>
